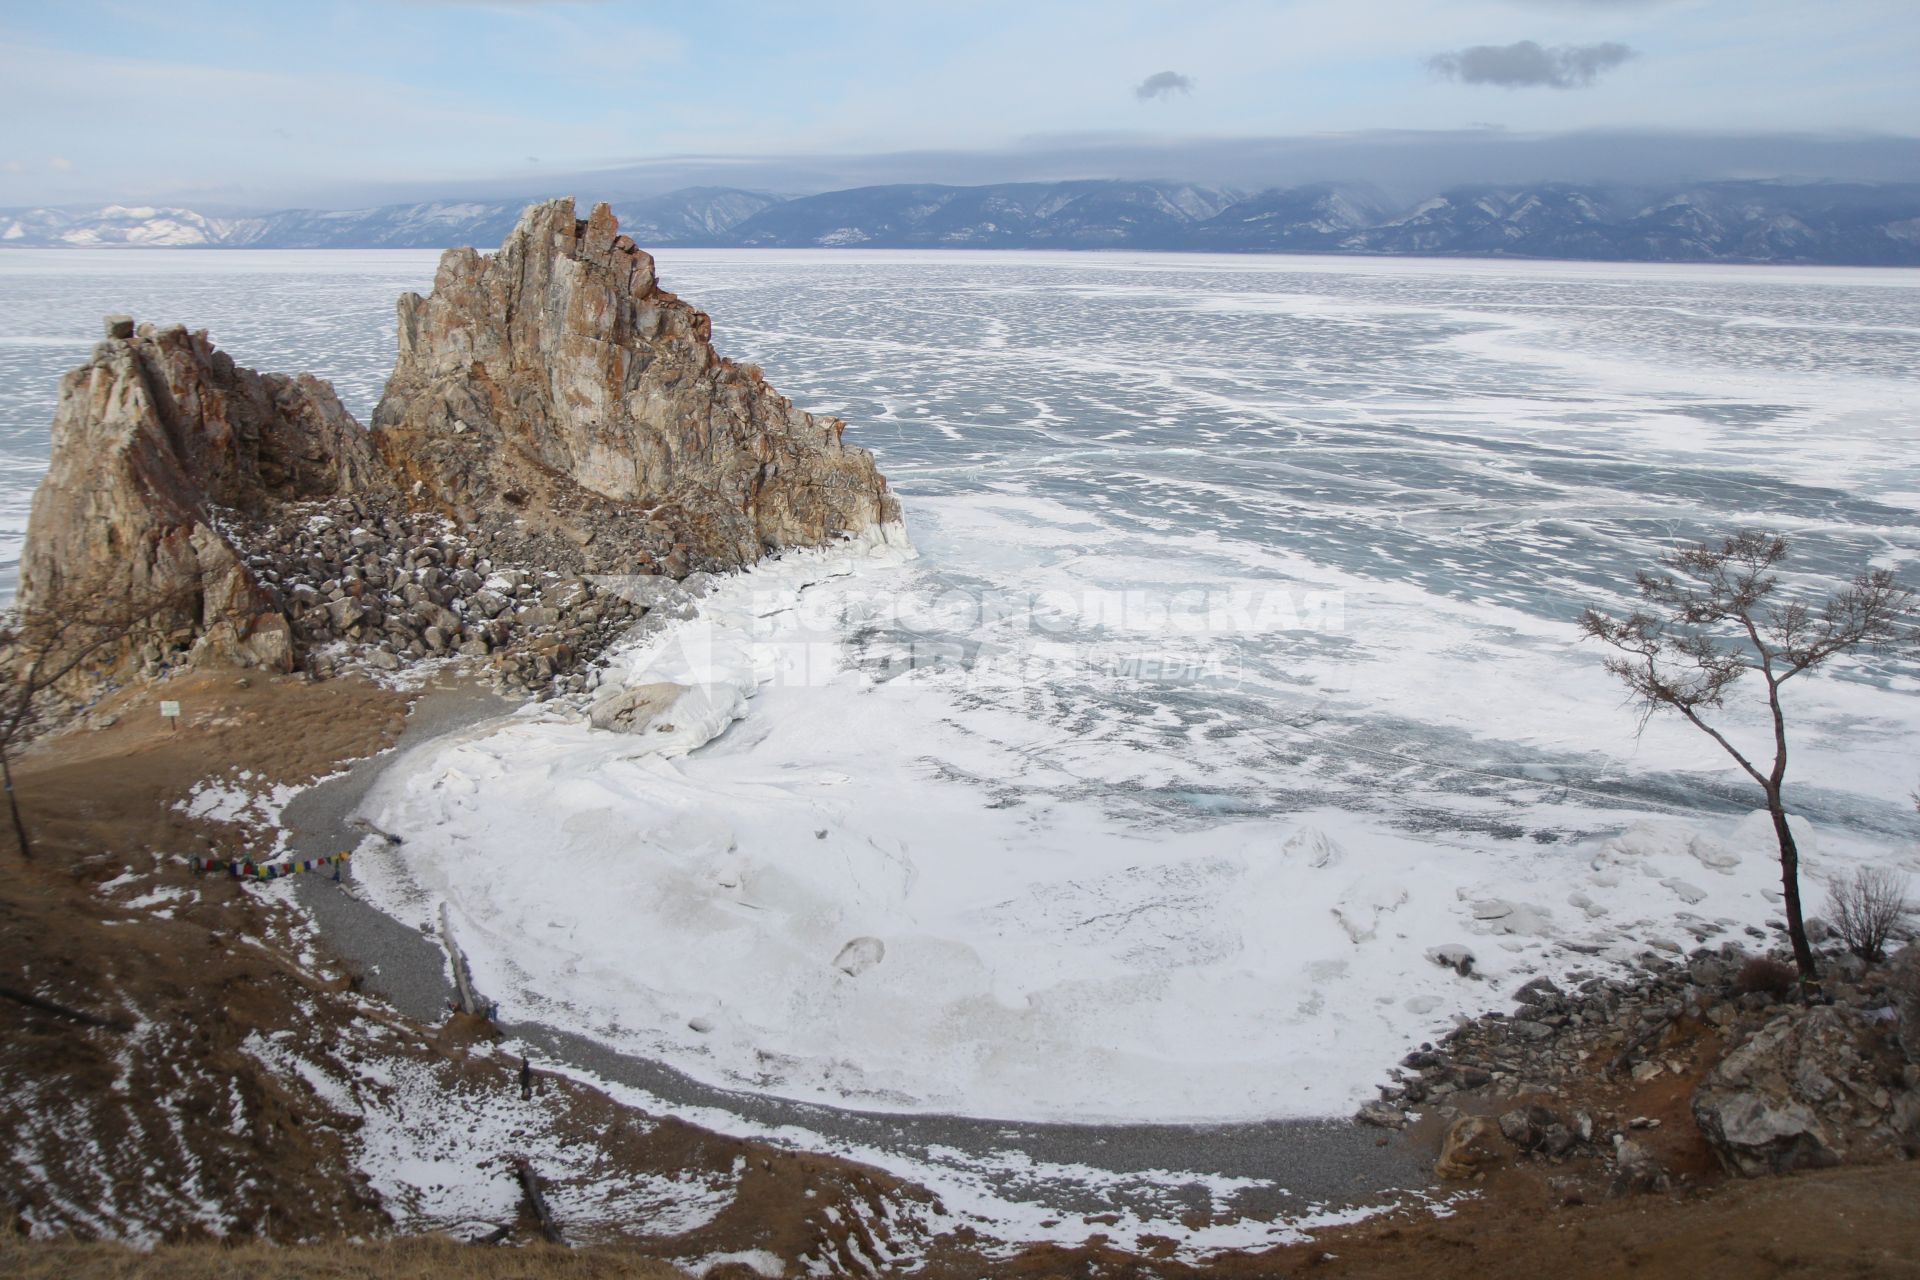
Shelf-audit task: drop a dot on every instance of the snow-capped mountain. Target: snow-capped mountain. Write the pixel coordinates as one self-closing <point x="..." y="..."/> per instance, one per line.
<point x="138" y="225"/>
<point x="1714" y="222"/>
<point x="1313" y="219"/>
<point x="1842" y="223"/>
<point x="1014" y="215"/>
<point x="695" y="215"/>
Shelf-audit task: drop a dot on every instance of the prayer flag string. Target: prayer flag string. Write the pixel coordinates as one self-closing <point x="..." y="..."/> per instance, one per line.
<point x="253" y="869"/>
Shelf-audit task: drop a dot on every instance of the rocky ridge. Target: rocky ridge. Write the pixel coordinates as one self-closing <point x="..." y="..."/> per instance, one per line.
<point x="1766" y="1082"/>
<point x="559" y="446"/>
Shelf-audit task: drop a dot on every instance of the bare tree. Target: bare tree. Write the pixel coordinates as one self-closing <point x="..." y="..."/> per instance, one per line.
<point x="45" y="653"/>
<point x="1866" y="908"/>
<point x="1715" y="612"/>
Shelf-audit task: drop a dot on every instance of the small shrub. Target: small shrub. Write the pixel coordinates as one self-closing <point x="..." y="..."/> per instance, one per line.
<point x="1776" y="978"/>
<point x="1866" y="908"/>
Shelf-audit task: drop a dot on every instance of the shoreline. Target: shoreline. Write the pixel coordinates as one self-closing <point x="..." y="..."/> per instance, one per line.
<point x="1309" y="1166"/>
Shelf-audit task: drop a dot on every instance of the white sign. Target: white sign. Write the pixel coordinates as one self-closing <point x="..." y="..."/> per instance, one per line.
<point x="171" y="710"/>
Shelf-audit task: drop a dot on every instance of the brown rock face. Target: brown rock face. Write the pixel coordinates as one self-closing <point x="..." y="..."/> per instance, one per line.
<point x="1805" y="1092"/>
<point x="555" y="380"/>
<point x="152" y="437"/>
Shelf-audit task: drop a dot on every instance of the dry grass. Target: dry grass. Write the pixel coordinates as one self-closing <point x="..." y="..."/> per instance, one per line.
<point x="415" y="1259"/>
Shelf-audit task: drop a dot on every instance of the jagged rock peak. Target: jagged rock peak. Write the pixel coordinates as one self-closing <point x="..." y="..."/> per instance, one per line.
<point x="557" y="381"/>
<point x="152" y="437"/>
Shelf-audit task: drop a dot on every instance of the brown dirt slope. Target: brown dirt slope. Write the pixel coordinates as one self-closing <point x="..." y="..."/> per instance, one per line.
<point x="389" y="1260"/>
<point x="155" y="1115"/>
<point x="149" y="1117"/>
<point x="1862" y="1224"/>
<point x="152" y="1120"/>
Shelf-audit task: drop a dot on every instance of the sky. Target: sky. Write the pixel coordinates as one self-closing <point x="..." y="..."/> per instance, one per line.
<point x="341" y="103"/>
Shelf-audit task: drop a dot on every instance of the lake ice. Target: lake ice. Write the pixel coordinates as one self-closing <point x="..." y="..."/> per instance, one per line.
<point x="1235" y="670"/>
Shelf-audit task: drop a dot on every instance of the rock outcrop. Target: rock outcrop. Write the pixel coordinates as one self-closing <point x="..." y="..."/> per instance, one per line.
<point x="1806" y="1091"/>
<point x="157" y="441"/>
<point x="553" y="414"/>
<point x="556" y="381"/>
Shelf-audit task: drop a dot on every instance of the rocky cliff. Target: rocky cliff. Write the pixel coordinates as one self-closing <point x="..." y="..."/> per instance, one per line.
<point x="158" y="439"/>
<point x="556" y="381"/>
<point x="553" y="412"/>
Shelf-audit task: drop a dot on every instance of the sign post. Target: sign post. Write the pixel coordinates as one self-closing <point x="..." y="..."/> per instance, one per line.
<point x="171" y="710"/>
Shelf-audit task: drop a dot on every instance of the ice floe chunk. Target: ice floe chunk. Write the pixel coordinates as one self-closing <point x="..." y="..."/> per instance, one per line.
<point x="860" y="955"/>
<point x="1453" y="956"/>
<point x="1364" y="902"/>
<point x="1311" y="847"/>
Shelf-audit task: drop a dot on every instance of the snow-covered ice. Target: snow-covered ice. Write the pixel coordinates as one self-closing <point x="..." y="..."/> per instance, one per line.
<point x="1057" y="957"/>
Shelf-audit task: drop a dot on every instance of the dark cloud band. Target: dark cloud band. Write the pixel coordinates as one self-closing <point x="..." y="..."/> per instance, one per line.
<point x="1163" y="84"/>
<point x="1525" y="64"/>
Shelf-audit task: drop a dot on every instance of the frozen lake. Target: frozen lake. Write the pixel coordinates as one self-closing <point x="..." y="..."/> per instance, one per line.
<point x="1236" y="670"/>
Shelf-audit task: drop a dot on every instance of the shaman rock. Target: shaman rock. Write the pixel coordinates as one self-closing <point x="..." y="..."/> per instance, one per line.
<point x="555" y="380"/>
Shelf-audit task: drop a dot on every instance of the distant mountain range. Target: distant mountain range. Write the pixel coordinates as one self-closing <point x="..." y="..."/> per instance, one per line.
<point x="1836" y="223"/>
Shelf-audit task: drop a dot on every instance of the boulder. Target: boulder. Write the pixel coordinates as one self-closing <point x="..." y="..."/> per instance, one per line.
<point x="1539" y="991"/>
<point x="1471" y="1146"/>
<point x="1800" y="1093"/>
<point x="488" y="604"/>
<point x="1453" y="956"/>
<point x="1527" y="1127"/>
<point x="1635" y="1170"/>
<point x="268" y="643"/>
<point x="1757" y="1133"/>
<point x="345" y="613"/>
<point x="1381" y="1115"/>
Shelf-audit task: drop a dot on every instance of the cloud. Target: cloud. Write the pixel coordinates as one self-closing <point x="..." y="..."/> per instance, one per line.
<point x="1408" y="163"/>
<point x="342" y="123"/>
<point x="1529" y="65"/>
<point x="1163" y="84"/>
